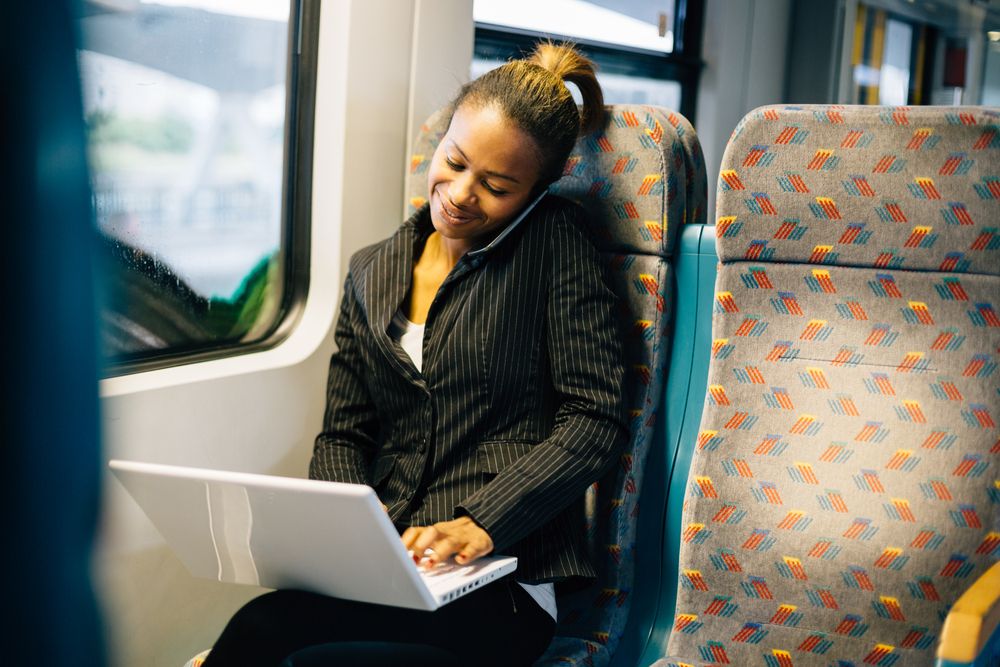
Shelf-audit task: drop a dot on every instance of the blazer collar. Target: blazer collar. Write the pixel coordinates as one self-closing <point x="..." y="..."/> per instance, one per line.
<point x="391" y="275"/>
<point x="387" y="284"/>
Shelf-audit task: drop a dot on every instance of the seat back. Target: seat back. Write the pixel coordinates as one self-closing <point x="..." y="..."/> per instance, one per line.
<point x="640" y="179"/>
<point x="844" y="488"/>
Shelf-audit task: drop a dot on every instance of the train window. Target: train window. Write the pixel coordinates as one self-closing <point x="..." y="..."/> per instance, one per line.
<point x="617" y="88"/>
<point x="647" y="51"/>
<point x="943" y="54"/>
<point x="645" y="24"/>
<point x="890" y="58"/>
<point x="991" y="71"/>
<point x="191" y="108"/>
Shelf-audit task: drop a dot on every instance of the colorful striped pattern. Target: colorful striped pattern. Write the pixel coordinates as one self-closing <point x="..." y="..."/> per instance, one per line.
<point x="652" y="181"/>
<point x="872" y="435"/>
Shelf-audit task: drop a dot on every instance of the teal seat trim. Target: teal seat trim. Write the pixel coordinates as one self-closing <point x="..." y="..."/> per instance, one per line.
<point x="659" y="535"/>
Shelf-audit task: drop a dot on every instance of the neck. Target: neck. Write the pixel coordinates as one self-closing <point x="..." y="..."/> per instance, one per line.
<point x="444" y="250"/>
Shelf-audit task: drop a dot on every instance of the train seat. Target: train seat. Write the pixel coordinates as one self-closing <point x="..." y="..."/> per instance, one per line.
<point x="641" y="180"/>
<point x="843" y="492"/>
<point x="651" y="617"/>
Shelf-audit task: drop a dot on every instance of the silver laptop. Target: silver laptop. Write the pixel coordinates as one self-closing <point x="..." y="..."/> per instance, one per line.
<point x="282" y="532"/>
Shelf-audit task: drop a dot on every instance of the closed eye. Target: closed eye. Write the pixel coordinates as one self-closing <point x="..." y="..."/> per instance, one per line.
<point x="456" y="166"/>
<point x="493" y="190"/>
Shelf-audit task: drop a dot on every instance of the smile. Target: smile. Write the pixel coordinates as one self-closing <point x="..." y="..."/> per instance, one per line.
<point x="453" y="216"/>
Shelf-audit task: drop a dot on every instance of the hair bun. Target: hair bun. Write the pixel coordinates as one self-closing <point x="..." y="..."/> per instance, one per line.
<point x="570" y="65"/>
<point x="532" y="93"/>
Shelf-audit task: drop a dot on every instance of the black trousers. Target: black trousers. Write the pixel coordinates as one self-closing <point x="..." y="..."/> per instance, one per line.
<point x="499" y="624"/>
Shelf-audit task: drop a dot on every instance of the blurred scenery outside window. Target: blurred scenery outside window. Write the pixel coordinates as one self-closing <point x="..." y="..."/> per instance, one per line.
<point x="644" y="24"/>
<point x="629" y="25"/>
<point x="185" y="104"/>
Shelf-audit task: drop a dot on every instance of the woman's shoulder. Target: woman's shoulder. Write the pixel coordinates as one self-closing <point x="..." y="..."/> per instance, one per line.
<point x="405" y="233"/>
<point x="560" y="208"/>
<point x="363" y="257"/>
<point x="567" y="218"/>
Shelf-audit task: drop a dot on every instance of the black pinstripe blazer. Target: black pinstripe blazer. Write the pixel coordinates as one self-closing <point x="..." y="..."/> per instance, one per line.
<point x="519" y="406"/>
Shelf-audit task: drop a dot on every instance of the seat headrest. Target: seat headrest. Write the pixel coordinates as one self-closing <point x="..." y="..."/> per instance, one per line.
<point x="885" y="187"/>
<point x="640" y="178"/>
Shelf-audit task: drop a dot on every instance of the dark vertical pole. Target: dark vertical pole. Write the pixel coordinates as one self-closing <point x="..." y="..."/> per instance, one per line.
<point x="689" y="28"/>
<point x="689" y="22"/>
<point x="935" y="41"/>
<point x="49" y="449"/>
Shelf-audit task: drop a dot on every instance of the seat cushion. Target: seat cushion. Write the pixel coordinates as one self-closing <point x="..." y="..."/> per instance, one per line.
<point x="844" y="484"/>
<point x="198" y="660"/>
<point x="843" y="493"/>
<point x="897" y="188"/>
<point x="640" y="181"/>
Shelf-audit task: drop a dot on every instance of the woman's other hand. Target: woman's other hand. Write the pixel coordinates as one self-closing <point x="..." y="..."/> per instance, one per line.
<point x="461" y="538"/>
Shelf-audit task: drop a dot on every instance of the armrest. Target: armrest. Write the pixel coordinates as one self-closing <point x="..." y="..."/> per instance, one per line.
<point x="969" y="633"/>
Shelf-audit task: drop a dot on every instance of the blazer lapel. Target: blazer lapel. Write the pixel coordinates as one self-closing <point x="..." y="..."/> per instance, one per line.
<point x="386" y="286"/>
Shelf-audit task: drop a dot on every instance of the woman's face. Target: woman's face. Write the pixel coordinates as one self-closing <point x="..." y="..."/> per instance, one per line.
<point x="482" y="174"/>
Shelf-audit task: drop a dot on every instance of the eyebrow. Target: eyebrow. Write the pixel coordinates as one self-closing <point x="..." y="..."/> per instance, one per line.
<point x="495" y="174"/>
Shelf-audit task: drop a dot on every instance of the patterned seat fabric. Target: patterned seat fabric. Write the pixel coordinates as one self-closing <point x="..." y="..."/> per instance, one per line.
<point x="640" y="180"/>
<point x="845" y="489"/>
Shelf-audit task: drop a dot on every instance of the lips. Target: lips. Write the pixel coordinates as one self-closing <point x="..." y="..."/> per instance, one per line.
<point x="452" y="215"/>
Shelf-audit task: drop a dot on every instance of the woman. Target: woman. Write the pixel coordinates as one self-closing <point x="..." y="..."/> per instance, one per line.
<point x="476" y="387"/>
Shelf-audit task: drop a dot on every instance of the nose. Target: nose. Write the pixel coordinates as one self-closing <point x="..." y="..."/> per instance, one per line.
<point x="461" y="191"/>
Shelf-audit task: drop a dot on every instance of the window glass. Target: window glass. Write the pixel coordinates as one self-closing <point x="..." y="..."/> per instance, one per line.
<point x="991" y="70"/>
<point x="894" y="78"/>
<point x="884" y="59"/>
<point x="617" y="88"/>
<point x="644" y="24"/>
<point x="185" y="104"/>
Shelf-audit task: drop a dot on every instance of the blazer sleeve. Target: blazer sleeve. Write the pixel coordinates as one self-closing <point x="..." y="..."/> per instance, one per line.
<point x="344" y="448"/>
<point x="587" y="370"/>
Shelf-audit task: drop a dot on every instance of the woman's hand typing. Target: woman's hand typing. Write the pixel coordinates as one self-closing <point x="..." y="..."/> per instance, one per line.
<point x="461" y="538"/>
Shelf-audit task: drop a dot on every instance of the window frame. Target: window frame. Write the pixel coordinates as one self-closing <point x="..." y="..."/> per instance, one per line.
<point x="683" y="64"/>
<point x="296" y="205"/>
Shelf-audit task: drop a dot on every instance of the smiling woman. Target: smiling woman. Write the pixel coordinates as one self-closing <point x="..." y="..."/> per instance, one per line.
<point x="477" y="387"/>
<point x="510" y="134"/>
<point x="481" y="175"/>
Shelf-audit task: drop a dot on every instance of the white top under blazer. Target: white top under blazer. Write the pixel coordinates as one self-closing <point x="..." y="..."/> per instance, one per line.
<point x="410" y="337"/>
